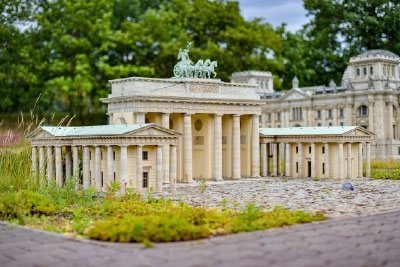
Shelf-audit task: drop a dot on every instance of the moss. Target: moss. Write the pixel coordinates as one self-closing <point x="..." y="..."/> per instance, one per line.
<point x="24" y="203"/>
<point x="131" y="228"/>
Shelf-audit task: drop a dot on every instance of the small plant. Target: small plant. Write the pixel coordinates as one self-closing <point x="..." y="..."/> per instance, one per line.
<point x="326" y="191"/>
<point x="112" y="189"/>
<point x="315" y="179"/>
<point x="203" y="186"/>
<point x="224" y="203"/>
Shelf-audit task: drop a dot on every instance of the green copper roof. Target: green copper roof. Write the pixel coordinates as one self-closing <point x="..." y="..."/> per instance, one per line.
<point x="333" y="130"/>
<point x="61" y="131"/>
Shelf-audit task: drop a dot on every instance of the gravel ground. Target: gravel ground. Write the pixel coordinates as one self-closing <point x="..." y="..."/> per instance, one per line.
<point x="370" y="196"/>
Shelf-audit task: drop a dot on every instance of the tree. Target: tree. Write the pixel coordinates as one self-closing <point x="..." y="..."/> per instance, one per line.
<point x="19" y="61"/>
<point x="340" y="29"/>
<point x="217" y="30"/>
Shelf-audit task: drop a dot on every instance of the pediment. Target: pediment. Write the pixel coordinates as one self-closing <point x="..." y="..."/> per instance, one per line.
<point x="359" y="131"/>
<point x="152" y="130"/>
<point x="40" y="133"/>
<point x="295" y="94"/>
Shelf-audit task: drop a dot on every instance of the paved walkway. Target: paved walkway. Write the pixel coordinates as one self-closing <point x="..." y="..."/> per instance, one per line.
<point x="372" y="240"/>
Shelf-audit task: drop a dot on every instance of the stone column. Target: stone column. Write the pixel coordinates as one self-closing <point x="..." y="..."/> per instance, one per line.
<point x="326" y="160"/>
<point x="140" y="118"/>
<point x="390" y="122"/>
<point x="255" y="148"/>
<point x="341" y="159"/>
<point x="268" y="159"/>
<point x="371" y="116"/>
<point x="68" y="162"/>
<point x="187" y="148"/>
<point x="218" y="147"/>
<point x="360" y="160"/>
<point x="59" y="167"/>
<point x="165" y="149"/>
<point x="139" y="168"/>
<point x="300" y="160"/>
<point x="75" y="166"/>
<point x="41" y="162"/>
<point x="264" y="158"/>
<point x="287" y="159"/>
<point x="159" y="170"/>
<point x="172" y="178"/>
<point x="110" y="164"/>
<point x="313" y="172"/>
<point x="349" y="163"/>
<point x="50" y="164"/>
<point x="34" y="161"/>
<point x="97" y="163"/>
<point x="275" y="160"/>
<point x="124" y="168"/>
<point x="236" y="170"/>
<point x="368" y="159"/>
<point x="86" y="167"/>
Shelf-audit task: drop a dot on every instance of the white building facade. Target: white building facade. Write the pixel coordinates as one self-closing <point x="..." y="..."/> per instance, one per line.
<point x="369" y="96"/>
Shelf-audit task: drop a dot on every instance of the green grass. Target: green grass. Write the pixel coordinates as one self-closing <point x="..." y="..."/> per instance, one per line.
<point x="385" y="169"/>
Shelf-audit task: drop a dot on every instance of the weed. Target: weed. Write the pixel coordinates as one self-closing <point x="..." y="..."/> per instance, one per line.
<point x="326" y="191"/>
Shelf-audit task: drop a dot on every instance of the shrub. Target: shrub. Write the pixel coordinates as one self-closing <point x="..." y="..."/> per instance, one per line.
<point x="24" y="203"/>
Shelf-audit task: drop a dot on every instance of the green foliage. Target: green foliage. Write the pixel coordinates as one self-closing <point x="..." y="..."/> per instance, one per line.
<point x="388" y="169"/>
<point x="252" y="219"/>
<point x="24" y="203"/>
<point x="165" y="228"/>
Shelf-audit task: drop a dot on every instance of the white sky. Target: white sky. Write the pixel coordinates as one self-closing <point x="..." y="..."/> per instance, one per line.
<point x="275" y="12"/>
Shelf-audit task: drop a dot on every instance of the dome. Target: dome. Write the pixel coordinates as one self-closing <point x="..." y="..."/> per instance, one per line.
<point x="382" y="52"/>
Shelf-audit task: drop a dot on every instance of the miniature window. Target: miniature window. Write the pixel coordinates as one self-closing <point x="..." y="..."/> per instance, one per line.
<point x="113" y="155"/>
<point x="309" y="149"/>
<point x="319" y="114"/>
<point x="323" y="168"/>
<point x="371" y="70"/>
<point x="114" y="176"/>
<point x="297" y="149"/>
<point x="323" y="150"/>
<point x="145" y="179"/>
<point x="297" y="167"/>
<point x="399" y="150"/>
<point x="102" y="177"/>
<point x="365" y="71"/>
<point x="145" y="155"/>
<point x="330" y="124"/>
<point x="341" y="113"/>
<point x="101" y="154"/>
<point x="278" y="116"/>
<point x="363" y="111"/>
<point x="341" y="124"/>
<point x="90" y="155"/>
<point x="329" y="113"/>
<point x="319" y="124"/>
<point x="358" y="72"/>
<point x="269" y="116"/>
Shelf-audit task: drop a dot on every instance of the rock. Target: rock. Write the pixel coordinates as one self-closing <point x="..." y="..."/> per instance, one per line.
<point x="347" y="186"/>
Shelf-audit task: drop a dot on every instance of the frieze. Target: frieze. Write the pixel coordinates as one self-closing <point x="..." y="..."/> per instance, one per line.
<point x="202" y="88"/>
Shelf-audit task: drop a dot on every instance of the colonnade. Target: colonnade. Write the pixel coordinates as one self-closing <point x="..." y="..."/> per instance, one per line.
<point x="187" y="150"/>
<point x="287" y="160"/>
<point x="60" y="164"/>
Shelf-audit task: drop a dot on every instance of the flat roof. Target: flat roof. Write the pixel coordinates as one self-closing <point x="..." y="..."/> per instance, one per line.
<point x="290" y="131"/>
<point x="119" y="129"/>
